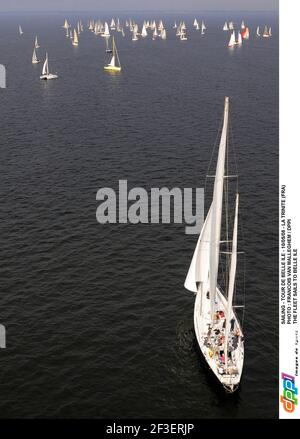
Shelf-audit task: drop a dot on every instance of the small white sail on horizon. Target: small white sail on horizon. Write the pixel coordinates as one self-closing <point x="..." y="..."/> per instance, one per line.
<point x="35" y="59"/>
<point x="20" y="30"/>
<point x="75" y="41"/>
<point x="36" y="43"/>
<point x="257" y="32"/>
<point x="225" y="27"/>
<point x="232" y="39"/>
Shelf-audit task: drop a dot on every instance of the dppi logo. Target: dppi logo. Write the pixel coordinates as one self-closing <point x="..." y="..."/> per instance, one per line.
<point x="290" y="391"/>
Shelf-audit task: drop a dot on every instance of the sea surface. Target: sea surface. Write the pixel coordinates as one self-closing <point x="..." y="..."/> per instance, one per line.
<point x="98" y="321"/>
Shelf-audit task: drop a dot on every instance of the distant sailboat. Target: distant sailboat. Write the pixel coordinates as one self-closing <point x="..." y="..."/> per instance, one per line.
<point x="217" y="328"/>
<point x="46" y="75"/>
<point x="266" y="32"/>
<point x="66" y="24"/>
<point x="144" y="31"/>
<point x="225" y="27"/>
<point x="240" y="39"/>
<point x="203" y="28"/>
<point x="243" y="25"/>
<point x="106" y="31"/>
<point x="245" y="33"/>
<point x="257" y="32"/>
<point x="183" y="36"/>
<point x="270" y="32"/>
<point x="232" y="41"/>
<point x="231" y="27"/>
<point x="75" y="41"/>
<point x="113" y="24"/>
<point x="35" y="59"/>
<point x="20" y="30"/>
<point x="163" y="34"/>
<point x="114" y="65"/>
<point x="135" y="33"/>
<point x="36" y="43"/>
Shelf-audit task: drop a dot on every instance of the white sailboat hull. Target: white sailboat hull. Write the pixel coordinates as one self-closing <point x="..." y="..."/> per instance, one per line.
<point x="210" y="343"/>
<point x="48" y="77"/>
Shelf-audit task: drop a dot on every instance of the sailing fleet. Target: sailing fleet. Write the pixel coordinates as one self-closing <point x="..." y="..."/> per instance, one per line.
<point x="154" y="29"/>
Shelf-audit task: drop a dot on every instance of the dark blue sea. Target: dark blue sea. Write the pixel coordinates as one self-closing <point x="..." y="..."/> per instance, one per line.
<point x="98" y="321"/>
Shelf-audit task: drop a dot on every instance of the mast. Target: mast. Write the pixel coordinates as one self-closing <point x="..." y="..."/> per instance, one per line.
<point x="231" y="280"/>
<point x="217" y="212"/>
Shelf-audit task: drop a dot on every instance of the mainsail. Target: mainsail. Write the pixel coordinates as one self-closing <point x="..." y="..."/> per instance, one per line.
<point x="231" y="279"/>
<point x="217" y="212"/>
<point x="45" y="70"/>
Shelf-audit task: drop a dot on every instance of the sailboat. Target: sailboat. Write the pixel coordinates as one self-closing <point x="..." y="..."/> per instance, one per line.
<point x="203" y="28"/>
<point x="35" y="59"/>
<point x="66" y="24"/>
<point x="240" y="39"/>
<point x="257" y="32"/>
<point x="114" y="65"/>
<point x="46" y="75"/>
<point x="106" y="30"/>
<point x="266" y="32"/>
<point x="20" y="31"/>
<point x="232" y="41"/>
<point x="135" y="33"/>
<point x="75" y="41"/>
<point x="144" y="31"/>
<point x="245" y="33"/>
<point x="36" y="43"/>
<point x="217" y="328"/>
<point x="225" y="27"/>
<point x="183" y="36"/>
<point x="243" y="25"/>
<point x="163" y="34"/>
<point x="108" y="49"/>
<point x="113" y="24"/>
<point x="270" y="32"/>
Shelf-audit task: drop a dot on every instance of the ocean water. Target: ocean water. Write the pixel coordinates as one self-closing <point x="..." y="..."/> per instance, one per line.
<point x="98" y="321"/>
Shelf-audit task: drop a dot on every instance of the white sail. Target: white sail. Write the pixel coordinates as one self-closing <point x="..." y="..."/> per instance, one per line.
<point x="230" y="25"/>
<point x="112" y="24"/>
<point x="113" y="61"/>
<point x="199" y="268"/>
<point x="225" y="27"/>
<point x="36" y="43"/>
<point x="45" y="70"/>
<point x="163" y="34"/>
<point x="231" y="284"/>
<point x="270" y="32"/>
<point x="20" y="31"/>
<point x="243" y="25"/>
<point x="240" y="39"/>
<point x="106" y="30"/>
<point x="75" y="38"/>
<point x="217" y="212"/>
<point x="257" y="31"/>
<point x="144" y="31"/>
<point x="232" y="39"/>
<point x="203" y="27"/>
<point x="34" y="57"/>
<point x="266" y="32"/>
